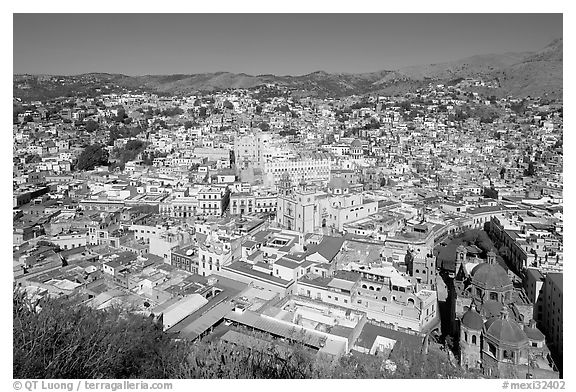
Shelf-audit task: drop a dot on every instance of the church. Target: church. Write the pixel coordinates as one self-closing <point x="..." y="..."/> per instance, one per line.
<point x="493" y="337"/>
<point x="306" y="210"/>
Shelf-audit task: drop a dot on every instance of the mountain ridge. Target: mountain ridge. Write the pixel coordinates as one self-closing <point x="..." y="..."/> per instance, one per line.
<point x="521" y="74"/>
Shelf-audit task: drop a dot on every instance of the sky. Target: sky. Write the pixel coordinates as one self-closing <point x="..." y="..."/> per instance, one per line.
<point x="280" y="44"/>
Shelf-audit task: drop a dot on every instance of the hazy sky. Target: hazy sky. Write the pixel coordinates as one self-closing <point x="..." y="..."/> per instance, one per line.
<point x="282" y="44"/>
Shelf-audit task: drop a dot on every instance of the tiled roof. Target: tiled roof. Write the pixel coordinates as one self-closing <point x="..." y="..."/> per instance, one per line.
<point x="328" y="247"/>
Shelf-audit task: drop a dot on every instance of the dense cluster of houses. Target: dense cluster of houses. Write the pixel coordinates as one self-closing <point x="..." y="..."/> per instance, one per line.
<point x="244" y="211"/>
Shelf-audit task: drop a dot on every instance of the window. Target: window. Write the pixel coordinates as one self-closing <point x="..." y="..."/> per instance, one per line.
<point x="508" y="354"/>
<point x="492" y="349"/>
<point x="465" y="337"/>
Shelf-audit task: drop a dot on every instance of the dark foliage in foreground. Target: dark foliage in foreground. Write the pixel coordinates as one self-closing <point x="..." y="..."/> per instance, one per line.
<point x="61" y="338"/>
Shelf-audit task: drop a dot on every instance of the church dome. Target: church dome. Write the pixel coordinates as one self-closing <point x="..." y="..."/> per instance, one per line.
<point x="490" y="276"/>
<point x="338" y="183"/>
<point x="472" y="320"/>
<point x="356" y="143"/>
<point x="533" y="333"/>
<point x="505" y="330"/>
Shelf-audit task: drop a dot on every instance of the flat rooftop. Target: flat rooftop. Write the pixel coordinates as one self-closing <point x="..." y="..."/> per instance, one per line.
<point x="246" y="269"/>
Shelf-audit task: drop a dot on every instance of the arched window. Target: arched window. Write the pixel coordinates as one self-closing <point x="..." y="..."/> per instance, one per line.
<point x="364" y="286"/>
<point x="411" y="301"/>
<point x="473" y="339"/>
<point x="417" y="271"/>
<point x="371" y="288"/>
<point x="384" y="299"/>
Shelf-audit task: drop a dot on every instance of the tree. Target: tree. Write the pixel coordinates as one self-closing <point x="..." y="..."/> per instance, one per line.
<point x="531" y="171"/>
<point x="121" y="115"/>
<point x="59" y="338"/>
<point x="405" y="106"/>
<point x="91" y="125"/>
<point x="33" y="158"/>
<point x="171" y="112"/>
<point x="130" y="151"/>
<point x="448" y="345"/>
<point x="558" y="144"/>
<point x="134" y="145"/>
<point x="63" y="338"/>
<point x="92" y="156"/>
<point x="264" y="126"/>
<point x="283" y="109"/>
<point x="160" y="123"/>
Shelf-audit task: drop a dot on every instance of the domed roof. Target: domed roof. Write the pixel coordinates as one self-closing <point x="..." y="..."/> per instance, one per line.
<point x="356" y="143"/>
<point x="534" y="333"/>
<point x="505" y="330"/>
<point x="338" y="183"/>
<point x="472" y="320"/>
<point x="490" y="276"/>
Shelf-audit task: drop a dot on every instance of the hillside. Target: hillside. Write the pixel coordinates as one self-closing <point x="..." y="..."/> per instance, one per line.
<point x="469" y="67"/>
<point x="519" y="74"/>
<point x="538" y="74"/>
